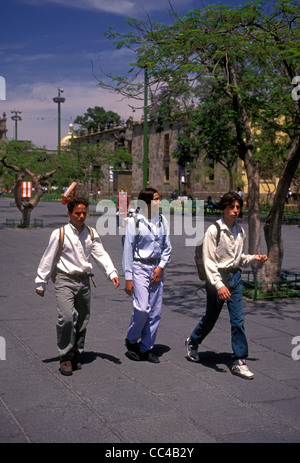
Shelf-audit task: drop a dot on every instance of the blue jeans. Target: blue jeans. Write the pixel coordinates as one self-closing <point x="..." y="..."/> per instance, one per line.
<point x="214" y="305"/>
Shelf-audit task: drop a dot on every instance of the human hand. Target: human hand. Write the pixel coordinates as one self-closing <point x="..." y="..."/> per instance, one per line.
<point x="156" y="277"/>
<point x="261" y="257"/>
<point x="116" y="282"/>
<point x="224" y="293"/>
<point x="40" y="292"/>
<point x="129" y="287"/>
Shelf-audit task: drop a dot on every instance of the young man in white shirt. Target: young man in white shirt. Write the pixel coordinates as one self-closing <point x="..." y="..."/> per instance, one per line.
<point x="224" y="283"/>
<point x="72" y="284"/>
<point x="146" y="254"/>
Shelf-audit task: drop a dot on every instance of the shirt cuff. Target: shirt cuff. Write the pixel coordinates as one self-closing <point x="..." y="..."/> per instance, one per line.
<point x="40" y="287"/>
<point x="113" y="275"/>
<point x="219" y="285"/>
<point x="128" y="275"/>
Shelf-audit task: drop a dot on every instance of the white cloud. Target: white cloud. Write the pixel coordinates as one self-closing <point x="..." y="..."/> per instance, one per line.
<point x="40" y="114"/>
<point x="123" y="7"/>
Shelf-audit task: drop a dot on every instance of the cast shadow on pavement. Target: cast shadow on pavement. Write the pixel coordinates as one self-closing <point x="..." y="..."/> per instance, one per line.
<point x="89" y="357"/>
<point x="218" y="361"/>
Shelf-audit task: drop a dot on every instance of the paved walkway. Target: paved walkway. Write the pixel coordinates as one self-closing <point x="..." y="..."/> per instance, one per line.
<point x="114" y="400"/>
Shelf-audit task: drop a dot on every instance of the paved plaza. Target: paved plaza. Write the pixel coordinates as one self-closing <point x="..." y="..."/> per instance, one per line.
<point x="114" y="400"/>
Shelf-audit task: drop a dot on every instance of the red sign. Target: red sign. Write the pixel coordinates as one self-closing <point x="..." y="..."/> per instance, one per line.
<point x="26" y="190"/>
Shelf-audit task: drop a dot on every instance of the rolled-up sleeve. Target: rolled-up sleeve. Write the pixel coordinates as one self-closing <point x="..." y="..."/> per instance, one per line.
<point x="129" y="245"/>
<point x="167" y="247"/>
<point x="103" y="259"/>
<point x="47" y="261"/>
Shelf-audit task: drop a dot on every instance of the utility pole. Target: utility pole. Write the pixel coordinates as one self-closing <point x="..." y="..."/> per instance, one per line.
<point x="145" y="160"/>
<point x="16" y="118"/>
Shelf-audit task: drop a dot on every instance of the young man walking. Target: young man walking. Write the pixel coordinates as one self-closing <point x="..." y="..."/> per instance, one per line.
<point x="72" y="284"/>
<point x="146" y="254"/>
<point x="223" y="259"/>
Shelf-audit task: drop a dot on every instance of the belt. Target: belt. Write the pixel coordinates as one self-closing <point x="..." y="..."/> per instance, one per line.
<point x="147" y="261"/>
<point x="229" y="270"/>
<point x="78" y="275"/>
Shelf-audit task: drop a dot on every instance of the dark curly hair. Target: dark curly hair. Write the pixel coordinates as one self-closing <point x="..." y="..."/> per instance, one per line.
<point x="75" y="201"/>
<point x="229" y="198"/>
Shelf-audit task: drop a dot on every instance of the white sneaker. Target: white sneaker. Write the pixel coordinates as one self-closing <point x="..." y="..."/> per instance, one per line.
<point x="192" y="352"/>
<point x="240" y="368"/>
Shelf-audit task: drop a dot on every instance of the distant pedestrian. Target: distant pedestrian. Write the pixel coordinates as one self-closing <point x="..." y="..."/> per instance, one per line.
<point x="72" y="284"/>
<point x="122" y="208"/>
<point x="224" y="283"/>
<point x="146" y="254"/>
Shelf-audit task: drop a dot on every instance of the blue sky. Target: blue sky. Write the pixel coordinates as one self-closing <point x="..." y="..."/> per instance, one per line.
<point x="46" y="44"/>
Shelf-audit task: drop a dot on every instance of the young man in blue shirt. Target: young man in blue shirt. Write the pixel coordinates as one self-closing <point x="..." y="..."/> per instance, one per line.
<point x="147" y="250"/>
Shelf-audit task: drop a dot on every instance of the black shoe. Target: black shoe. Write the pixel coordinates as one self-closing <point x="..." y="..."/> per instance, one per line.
<point x="76" y="363"/>
<point x="133" y="350"/>
<point x="150" y="357"/>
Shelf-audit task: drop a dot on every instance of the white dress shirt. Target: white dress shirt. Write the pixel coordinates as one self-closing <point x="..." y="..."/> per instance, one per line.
<point x="228" y="254"/>
<point x="75" y="257"/>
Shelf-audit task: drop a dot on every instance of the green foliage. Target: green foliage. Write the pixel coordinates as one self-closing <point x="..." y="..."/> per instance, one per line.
<point x="96" y="117"/>
<point x="83" y="161"/>
<point x="26" y="156"/>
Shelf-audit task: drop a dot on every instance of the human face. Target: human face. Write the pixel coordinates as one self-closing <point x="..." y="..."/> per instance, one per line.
<point x="78" y="216"/>
<point x="153" y="207"/>
<point x="231" y="213"/>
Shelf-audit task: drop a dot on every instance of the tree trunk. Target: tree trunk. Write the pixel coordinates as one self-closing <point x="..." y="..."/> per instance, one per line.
<point x="254" y="224"/>
<point x="26" y="208"/>
<point x="270" y="271"/>
<point x="26" y="213"/>
<point x="246" y="144"/>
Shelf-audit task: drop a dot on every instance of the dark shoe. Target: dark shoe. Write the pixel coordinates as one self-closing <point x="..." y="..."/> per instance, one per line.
<point x="150" y="357"/>
<point x="76" y="364"/>
<point x="133" y="350"/>
<point x="66" y="368"/>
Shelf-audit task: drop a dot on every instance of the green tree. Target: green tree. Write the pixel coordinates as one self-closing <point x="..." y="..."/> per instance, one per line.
<point x="85" y="162"/>
<point x="253" y="56"/>
<point x="96" y="117"/>
<point x="30" y="164"/>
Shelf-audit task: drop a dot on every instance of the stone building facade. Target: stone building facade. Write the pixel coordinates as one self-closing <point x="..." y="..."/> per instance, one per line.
<point x="164" y="174"/>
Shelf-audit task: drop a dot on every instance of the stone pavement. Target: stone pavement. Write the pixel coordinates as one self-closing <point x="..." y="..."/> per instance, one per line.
<point x="114" y="400"/>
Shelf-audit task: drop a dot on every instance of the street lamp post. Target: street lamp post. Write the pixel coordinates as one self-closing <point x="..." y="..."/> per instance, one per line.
<point x="16" y="118"/>
<point x="59" y="100"/>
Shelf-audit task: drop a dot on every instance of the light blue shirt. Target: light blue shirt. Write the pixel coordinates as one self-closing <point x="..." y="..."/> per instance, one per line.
<point x="146" y="239"/>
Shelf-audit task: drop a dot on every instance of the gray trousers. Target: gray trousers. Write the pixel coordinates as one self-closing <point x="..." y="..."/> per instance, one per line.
<point x="73" y="298"/>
